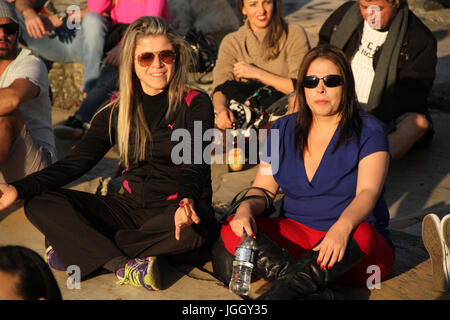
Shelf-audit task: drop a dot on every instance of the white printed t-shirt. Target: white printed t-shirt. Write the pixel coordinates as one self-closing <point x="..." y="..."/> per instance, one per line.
<point x="36" y="112"/>
<point x="362" y="61"/>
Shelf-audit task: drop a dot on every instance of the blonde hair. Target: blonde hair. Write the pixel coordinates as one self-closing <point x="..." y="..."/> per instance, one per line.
<point x="130" y="104"/>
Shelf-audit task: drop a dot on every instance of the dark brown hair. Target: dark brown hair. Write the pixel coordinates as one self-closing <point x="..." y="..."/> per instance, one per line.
<point x="36" y="280"/>
<point x="277" y="30"/>
<point x="350" y="123"/>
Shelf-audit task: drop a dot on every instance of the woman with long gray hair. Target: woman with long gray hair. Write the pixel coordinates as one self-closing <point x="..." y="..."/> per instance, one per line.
<point x="164" y="208"/>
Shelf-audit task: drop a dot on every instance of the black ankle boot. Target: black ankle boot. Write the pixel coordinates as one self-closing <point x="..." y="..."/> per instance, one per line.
<point x="222" y="261"/>
<point x="307" y="278"/>
<point x="271" y="261"/>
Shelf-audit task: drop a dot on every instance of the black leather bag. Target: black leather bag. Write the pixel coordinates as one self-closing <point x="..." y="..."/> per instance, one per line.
<point x="204" y="51"/>
<point x="242" y="196"/>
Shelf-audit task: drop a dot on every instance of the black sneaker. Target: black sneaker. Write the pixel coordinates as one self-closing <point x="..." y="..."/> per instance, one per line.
<point x="72" y="128"/>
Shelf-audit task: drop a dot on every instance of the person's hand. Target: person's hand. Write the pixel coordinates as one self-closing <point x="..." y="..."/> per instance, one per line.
<point x="113" y="56"/>
<point x="225" y="119"/>
<point x="36" y="28"/>
<point x="184" y="216"/>
<point x="333" y="245"/>
<point x="8" y="195"/>
<point x="54" y="22"/>
<point x="243" y="220"/>
<point x="244" y="70"/>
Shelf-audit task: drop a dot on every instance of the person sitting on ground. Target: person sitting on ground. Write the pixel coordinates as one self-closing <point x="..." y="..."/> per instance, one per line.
<point x="264" y="51"/>
<point x="58" y="38"/>
<point x="27" y="141"/>
<point x="393" y="56"/>
<point x="121" y="13"/>
<point x="24" y="275"/>
<point x="436" y="239"/>
<point x="165" y="207"/>
<point x="330" y="159"/>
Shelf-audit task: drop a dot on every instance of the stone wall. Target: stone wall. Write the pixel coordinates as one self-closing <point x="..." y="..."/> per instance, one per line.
<point x="65" y="84"/>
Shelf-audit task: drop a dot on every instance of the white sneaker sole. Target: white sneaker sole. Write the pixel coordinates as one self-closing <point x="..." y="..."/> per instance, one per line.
<point x="445" y="223"/>
<point x="434" y="243"/>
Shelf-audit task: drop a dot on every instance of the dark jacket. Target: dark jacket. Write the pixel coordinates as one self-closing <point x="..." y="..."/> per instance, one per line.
<point x="416" y="65"/>
<point x="152" y="182"/>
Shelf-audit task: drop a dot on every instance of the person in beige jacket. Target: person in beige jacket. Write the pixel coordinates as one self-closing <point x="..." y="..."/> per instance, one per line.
<point x="265" y="48"/>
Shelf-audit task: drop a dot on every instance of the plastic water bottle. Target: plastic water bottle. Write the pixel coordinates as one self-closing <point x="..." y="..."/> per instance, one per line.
<point x="242" y="266"/>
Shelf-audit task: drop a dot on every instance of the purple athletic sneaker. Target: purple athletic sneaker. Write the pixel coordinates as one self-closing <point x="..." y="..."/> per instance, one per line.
<point x="52" y="259"/>
<point x="141" y="273"/>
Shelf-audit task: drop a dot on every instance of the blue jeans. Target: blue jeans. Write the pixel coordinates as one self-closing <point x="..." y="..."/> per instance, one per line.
<point x="107" y="83"/>
<point x="72" y="45"/>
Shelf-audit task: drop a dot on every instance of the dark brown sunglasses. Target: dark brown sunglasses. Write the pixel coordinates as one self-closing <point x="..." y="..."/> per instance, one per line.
<point x="167" y="56"/>
<point x="10" y="28"/>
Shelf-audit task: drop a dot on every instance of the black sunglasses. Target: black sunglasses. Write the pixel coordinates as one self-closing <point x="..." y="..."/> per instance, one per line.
<point x="331" y="81"/>
<point x="10" y="28"/>
<point x="167" y="56"/>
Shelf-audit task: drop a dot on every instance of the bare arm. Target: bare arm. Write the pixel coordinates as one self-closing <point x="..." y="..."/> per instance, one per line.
<point x="8" y="195"/>
<point x="244" y="217"/>
<point x="23" y="5"/>
<point x="248" y="71"/>
<point x="33" y="22"/>
<point x="372" y="171"/>
<point x="14" y="95"/>
<point x="224" y="118"/>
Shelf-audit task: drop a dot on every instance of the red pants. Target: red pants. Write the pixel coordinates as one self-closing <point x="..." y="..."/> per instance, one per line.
<point x="297" y="239"/>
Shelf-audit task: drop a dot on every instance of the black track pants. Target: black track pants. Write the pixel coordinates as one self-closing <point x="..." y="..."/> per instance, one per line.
<point x="88" y="230"/>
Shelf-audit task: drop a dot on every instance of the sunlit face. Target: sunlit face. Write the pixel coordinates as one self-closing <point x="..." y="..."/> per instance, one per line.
<point x="378" y="13"/>
<point x="8" y="41"/>
<point x="8" y="287"/>
<point x="259" y="13"/>
<point x="155" y="77"/>
<point x="322" y="100"/>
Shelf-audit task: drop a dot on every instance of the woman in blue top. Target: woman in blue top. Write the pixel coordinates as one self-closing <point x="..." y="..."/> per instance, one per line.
<point x="330" y="159"/>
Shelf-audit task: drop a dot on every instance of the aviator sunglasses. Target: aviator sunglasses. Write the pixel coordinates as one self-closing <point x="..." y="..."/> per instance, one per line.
<point x="10" y="28"/>
<point x="331" y="81"/>
<point x="167" y="56"/>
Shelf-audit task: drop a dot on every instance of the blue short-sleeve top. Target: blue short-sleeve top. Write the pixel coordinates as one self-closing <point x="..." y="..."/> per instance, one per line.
<point x="319" y="203"/>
